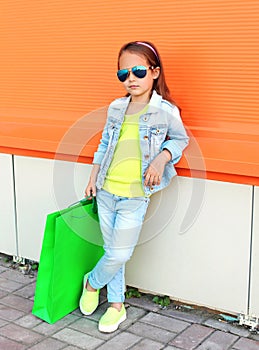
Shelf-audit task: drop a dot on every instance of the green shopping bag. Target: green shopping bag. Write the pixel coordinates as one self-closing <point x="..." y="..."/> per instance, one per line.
<point x="72" y="245"/>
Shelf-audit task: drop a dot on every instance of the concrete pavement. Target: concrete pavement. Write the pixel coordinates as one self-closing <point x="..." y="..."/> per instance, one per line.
<point x="148" y="327"/>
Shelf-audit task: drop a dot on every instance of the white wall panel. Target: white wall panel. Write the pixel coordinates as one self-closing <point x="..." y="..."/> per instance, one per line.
<point x="254" y="292"/>
<point x="44" y="186"/>
<point x="7" y="211"/>
<point x="203" y="261"/>
<point x="198" y="255"/>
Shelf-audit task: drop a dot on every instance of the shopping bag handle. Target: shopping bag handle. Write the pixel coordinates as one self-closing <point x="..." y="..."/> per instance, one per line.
<point x="87" y="198"/>
<point x="94" y="208"/>
<point x="94" y="201"/>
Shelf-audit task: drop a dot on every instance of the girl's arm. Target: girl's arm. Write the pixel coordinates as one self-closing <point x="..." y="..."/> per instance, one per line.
<point x="98" y="157"/>
<point x="177" y="139"/>
<point x="91" y="187"/>
<point x="172" y="149"/>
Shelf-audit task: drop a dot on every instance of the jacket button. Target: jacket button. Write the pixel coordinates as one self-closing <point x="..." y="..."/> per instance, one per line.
<point x="151" y="188"/>
<point x="146" y="137"/>
<point x="146" y="156"/>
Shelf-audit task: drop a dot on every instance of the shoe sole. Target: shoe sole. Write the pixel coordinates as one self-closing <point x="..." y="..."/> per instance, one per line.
<point x="112" y="328"/>
<point x="80" y="302"/>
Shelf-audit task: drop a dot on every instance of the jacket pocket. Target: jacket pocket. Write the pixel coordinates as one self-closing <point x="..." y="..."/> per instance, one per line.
<point x="157" y="137"/>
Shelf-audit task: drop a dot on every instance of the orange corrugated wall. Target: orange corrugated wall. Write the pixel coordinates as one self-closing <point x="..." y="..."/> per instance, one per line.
<point x="58" y="62"/>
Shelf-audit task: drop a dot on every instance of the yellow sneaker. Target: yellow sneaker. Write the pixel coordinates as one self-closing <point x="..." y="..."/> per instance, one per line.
<point x="111" y="320"/>
<point x="89" y="300"/>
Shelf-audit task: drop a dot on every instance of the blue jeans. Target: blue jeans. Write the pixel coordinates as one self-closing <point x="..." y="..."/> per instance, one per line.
<point x="121" y="221"/>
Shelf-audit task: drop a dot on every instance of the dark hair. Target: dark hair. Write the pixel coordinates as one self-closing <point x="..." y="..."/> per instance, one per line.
<point x="149" y="51"/>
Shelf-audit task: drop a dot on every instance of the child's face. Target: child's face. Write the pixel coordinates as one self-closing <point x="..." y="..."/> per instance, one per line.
<point x="138" y="88"/>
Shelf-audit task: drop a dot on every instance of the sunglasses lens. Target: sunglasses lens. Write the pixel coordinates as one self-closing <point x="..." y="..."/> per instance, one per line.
<point x="122" y="74"/>
<point x="139" y="71"/>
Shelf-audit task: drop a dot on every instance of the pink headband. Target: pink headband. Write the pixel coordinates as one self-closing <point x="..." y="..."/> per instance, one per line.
<point x="150" y="47"/>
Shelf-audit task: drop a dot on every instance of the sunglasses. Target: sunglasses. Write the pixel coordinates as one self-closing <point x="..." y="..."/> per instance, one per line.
<point x="138" y="71"/>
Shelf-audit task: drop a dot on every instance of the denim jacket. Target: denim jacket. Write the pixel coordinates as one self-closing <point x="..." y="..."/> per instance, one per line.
<point x="160" y="128"/>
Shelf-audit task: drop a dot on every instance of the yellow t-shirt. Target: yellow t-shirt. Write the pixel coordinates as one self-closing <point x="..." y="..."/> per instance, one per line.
<point x="124" y="177"/>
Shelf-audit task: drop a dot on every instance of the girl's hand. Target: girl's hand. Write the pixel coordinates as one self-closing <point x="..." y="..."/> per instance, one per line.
<point x="90" y="190"/>
<point x="154" y="172"/>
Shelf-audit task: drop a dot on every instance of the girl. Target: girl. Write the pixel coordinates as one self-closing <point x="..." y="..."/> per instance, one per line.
<point x="142" y="140"/>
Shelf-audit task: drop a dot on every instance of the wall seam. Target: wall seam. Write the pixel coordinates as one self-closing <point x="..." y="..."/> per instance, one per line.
<point x="251" y="251"/>
<point x="15" y="209"/>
